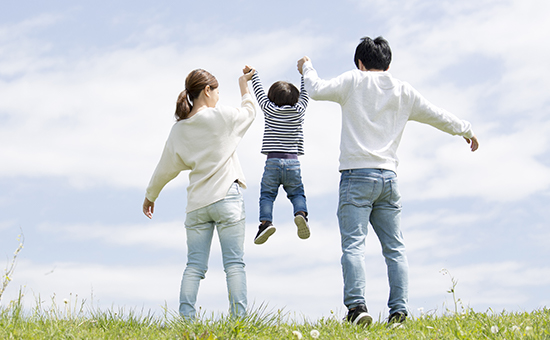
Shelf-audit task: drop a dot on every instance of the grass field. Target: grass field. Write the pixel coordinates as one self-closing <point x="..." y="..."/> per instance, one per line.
<point x="74" y="320"/>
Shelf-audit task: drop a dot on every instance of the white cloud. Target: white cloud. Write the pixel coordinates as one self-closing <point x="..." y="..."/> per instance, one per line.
<point x="104" y="118"/>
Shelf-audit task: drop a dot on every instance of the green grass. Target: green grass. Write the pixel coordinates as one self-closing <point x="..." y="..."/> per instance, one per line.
<point x="73" y="321"/>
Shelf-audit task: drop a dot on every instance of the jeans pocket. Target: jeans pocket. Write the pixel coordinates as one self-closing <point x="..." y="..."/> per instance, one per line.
<point x="357" y="191"/>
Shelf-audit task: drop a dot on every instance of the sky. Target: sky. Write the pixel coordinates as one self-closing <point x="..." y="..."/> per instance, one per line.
<point x="87" y="95"/>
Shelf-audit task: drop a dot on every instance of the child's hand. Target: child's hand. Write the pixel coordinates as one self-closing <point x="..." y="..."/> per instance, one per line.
<point x="301" y="63"/>
<point x="247" y="69"/>
<point x="248" y="72"/>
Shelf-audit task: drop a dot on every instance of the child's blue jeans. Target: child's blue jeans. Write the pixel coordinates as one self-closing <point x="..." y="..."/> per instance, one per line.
<point x="285" y="172"/>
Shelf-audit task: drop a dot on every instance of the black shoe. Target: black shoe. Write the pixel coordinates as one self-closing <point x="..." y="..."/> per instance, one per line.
<point x="359" y="316"/>
<point x="397" y="318"/>
<point x="300" y="220"/>
<point x="265" y="230"/>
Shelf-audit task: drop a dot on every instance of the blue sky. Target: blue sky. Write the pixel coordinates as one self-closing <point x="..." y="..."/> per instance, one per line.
<point x="87" y="93"/>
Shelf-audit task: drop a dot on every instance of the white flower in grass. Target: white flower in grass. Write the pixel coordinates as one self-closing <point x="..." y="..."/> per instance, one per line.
<point x="297" y="334"/>
<point x="314" y="333"/>
<point x="515" y="328"/>
<point x="528" y="329"/>
<point x="494" y="329"/>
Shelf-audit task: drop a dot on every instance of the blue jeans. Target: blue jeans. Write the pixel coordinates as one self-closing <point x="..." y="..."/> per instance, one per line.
<point x="371" y="195"/>
<point x="228" y="217"/>
<point x="285" y="172"/>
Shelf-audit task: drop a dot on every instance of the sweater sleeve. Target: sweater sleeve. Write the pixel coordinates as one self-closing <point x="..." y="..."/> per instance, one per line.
<point x="168" y="168"/>
<point x="334" y="90"/>
<point x="425" y="112"/>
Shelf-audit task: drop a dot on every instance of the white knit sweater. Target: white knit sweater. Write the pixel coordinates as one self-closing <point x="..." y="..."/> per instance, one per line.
<point x="375" y="109"/>
<point x="206" y="144"/>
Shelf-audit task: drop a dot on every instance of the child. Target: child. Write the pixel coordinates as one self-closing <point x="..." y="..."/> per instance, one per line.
<point x="284" y="108"/>
<point x="375" y="109"/>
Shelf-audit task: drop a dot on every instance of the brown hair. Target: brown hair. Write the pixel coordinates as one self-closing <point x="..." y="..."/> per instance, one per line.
<point x="195" y="82"/>
<point x="282" y="93"/>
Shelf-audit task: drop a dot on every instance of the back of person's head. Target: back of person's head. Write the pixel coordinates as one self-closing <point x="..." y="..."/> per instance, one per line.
<point x="282" y="93"/>
<point x="195" y="82"/>
<point x="374" y="54"/>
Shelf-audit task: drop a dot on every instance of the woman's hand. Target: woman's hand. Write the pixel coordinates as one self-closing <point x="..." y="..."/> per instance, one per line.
<point x="148" y="208"/>
<point x="243" y="80"/>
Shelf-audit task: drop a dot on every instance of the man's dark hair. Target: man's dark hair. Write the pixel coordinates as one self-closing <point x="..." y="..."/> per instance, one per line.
<point x="374" y="54"/>
<point x="282" y="93"/>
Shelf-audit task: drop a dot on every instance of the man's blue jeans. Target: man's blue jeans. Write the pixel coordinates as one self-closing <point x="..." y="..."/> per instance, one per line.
<point x="285" y="172"/>
<point x="228" y="217"/>
<point x="371" y="195"/>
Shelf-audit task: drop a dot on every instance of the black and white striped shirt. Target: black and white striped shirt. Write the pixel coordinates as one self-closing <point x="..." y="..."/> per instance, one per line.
<point x="283" y="130"/>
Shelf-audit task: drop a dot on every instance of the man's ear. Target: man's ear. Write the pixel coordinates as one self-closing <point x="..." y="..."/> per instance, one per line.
<point x="361" y="66"/>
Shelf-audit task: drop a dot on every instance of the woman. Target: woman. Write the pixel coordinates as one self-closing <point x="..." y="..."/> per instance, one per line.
<point x="204" y="140"/>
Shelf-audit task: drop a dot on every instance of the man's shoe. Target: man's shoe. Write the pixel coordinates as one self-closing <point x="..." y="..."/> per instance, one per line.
<point x="397" y="318"/>
<point x="359" y="316"/>
<point x="265" y="230"/>
<point x="300" y="220"/>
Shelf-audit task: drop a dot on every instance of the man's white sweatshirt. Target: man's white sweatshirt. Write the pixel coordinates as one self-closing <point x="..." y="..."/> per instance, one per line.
<point x="375" y="109"/>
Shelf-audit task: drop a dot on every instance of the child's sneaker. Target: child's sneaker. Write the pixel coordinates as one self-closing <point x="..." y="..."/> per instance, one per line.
<point x="265" y="230"/>
<point x="359" y="316"/>
<point x="300" y="220"/>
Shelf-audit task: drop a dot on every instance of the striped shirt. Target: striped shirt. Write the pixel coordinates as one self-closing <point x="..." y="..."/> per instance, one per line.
<point x="283" y="130"/>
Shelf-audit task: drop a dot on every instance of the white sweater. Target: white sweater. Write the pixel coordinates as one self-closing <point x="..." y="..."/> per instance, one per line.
<point x="375" y="110"/>
<point x="206" y="144"/>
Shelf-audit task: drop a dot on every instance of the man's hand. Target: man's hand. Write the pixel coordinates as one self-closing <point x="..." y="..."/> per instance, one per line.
<point x="474" y="144"/>
<point x="301" y="63"/>
<point x="148" y="208"/>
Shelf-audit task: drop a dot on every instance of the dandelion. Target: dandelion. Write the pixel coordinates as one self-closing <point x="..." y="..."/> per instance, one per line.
<point x="528" y="329"/>
<point x="515" y="328"/>
<point x="297" y="334"/>
<point x="314" y="333"/>
<point x="421" y="310"/>
<point x="494" y="329"/>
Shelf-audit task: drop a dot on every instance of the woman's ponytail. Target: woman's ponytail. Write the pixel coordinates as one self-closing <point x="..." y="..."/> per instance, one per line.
<point x="183" y="106"/>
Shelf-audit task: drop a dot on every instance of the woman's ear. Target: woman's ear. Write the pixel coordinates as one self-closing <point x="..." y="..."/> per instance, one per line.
<point x="207" y="90"/>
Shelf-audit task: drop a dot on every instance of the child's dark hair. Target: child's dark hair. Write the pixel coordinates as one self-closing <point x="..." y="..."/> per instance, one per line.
<point x="282" y="93"/>
<point x="374" y="54"/>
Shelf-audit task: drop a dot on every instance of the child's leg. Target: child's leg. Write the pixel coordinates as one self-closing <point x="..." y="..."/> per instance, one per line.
<point x="292" y="183"/>
<point x="271" y="180"/>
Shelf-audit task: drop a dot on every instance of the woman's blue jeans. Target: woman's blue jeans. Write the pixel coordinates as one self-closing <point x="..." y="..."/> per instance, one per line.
<point x="228" y="217"/>
<point x="285" y="172"/>
<point x="371" y="195"/>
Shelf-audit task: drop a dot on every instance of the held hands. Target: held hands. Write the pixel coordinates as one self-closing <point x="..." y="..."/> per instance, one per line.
<point x="148" y="208"/>
<point x="243" y="80"/>
<point x="248" y="72"/>
<point x="301" y="63"/>
<point x="474" y="144"/>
